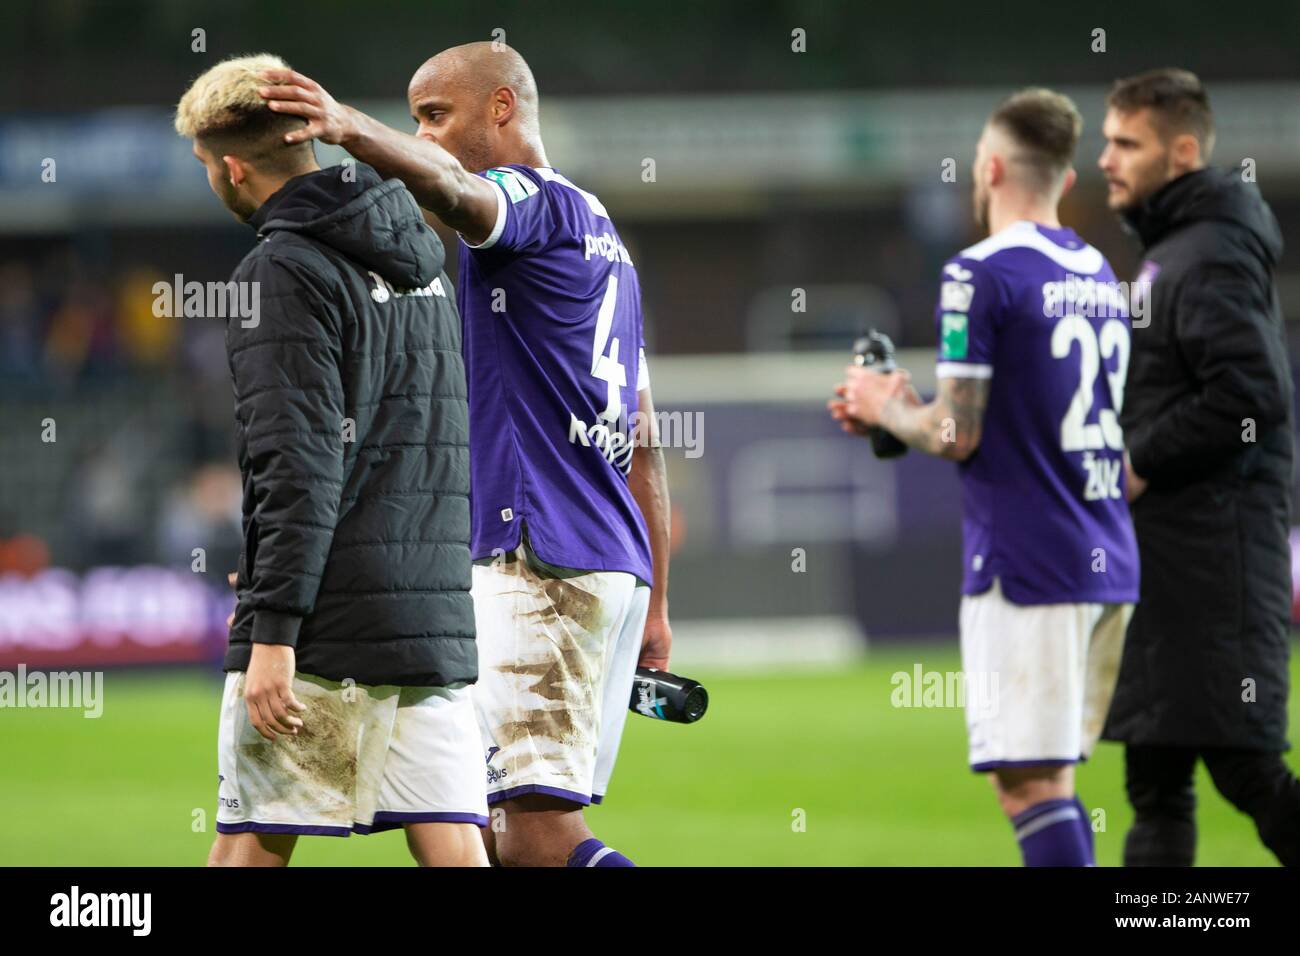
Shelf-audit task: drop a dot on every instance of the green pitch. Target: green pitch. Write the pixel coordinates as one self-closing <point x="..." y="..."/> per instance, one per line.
<point x="813" y="769"/>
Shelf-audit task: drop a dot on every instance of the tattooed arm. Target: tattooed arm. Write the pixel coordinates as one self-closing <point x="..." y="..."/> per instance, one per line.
<point x="950" y="426"/>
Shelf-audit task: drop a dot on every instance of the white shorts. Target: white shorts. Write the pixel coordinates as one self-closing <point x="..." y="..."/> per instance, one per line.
<point x="367" y="759"/>
<point x="557" y="658"/>
<point x="1039" y="678"/>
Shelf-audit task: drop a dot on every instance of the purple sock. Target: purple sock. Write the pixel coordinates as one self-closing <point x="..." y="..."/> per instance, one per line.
<point x="1050" y="834"/>
<point x="594" y="853"/>
<point x="1086" y="822"/>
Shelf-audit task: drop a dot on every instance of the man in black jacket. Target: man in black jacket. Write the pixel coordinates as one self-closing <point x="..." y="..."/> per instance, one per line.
<point x="346" y="706"/>
<point x="1207" y="423"/>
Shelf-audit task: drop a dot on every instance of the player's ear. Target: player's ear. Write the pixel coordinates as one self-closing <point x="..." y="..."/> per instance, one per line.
<point x="1185" y="152"/>
<point x="236" y="170"/>
<point x="503" y="104"/>
<point x="1068" y="182"/>
<point x="997" y="170"/>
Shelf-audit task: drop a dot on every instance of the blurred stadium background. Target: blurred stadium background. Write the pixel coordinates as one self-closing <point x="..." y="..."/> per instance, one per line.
<point x="806" y="573"/>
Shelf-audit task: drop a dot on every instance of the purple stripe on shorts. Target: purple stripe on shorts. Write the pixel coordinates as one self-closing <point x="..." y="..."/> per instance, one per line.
<point x="571" y="795"/>
<point x="252" y="826"/>
<point x="383" y="821"/>
<point x="597" y="797"/>
<point x="390" y="820"/>
<point x="1044" y="762"/>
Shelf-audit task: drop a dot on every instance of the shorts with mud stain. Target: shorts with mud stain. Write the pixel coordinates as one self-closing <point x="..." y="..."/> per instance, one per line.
<point x="367" y="759"/>
<point x="557" y="657"/>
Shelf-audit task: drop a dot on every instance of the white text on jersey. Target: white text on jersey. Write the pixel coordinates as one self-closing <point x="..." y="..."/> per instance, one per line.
<point x="606" y="246"/>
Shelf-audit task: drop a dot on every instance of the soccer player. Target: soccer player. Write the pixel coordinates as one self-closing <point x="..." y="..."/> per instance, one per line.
<point x="346" y="707"/>
<point x="1034" y="339"/>
<point x="570" y="527"/>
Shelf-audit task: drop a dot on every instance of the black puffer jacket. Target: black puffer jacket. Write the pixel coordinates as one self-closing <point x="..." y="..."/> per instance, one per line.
<point x="353" y="432"/>
<point x="1207" y="421"/>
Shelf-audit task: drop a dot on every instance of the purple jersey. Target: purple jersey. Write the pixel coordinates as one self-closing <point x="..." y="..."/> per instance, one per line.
<point x="554" y="356"/>
<point x="1038" y="312"/>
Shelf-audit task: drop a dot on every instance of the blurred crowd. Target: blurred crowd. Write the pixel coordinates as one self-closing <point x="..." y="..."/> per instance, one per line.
<point x="142" y="471"/>
<point x="61" y="324"/>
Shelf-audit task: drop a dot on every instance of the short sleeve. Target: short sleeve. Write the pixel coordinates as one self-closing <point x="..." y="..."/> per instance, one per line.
<point x="525" y="219"/>
<point x="642" y="371"/>
<point x="966" y="320"/>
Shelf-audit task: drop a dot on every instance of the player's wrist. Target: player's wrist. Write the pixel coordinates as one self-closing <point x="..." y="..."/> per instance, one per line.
<point x="351" y="126"/>
<point x="270" y="664"/>
<point x="891" y="409"/>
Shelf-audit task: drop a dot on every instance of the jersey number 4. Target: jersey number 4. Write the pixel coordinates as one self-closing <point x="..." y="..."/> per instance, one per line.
<point x="607" y="368"/>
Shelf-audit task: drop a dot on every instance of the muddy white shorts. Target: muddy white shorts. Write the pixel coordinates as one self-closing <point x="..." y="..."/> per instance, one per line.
<point x="557" y="657"/>
<point x="1038" y="677"/>
<point x="367" y="759"/>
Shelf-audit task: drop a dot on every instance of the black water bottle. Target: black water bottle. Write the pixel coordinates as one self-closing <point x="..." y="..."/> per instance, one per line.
<point x="666" y="696"/>
<point x="875" y="351"/>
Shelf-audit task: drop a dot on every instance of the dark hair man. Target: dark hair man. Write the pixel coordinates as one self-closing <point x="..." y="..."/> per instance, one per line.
<point x="1033" y="338"/>
<point x="1207" y="424"/>
<point x="346" y="707"/>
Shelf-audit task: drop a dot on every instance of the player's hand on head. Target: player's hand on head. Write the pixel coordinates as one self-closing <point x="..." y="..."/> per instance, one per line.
<point x="268" y="691"/>
<point x="656" y="642"/>
<point x="288" y="91"/>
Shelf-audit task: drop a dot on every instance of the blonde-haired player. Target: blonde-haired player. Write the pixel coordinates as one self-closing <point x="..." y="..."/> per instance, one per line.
<point x="346" y="708"/>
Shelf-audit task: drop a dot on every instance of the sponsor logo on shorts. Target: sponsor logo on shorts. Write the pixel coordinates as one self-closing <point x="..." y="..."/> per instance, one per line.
<point x="231" y="803"/>
<point x="493" y="774"/>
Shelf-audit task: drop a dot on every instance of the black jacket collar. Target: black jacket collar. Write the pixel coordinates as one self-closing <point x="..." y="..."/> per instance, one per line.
<point x="1208" y="194"/>
<point x="1158" y="213"/>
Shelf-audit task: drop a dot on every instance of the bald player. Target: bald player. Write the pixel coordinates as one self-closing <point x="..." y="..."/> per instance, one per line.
<point x="569" y="501"/>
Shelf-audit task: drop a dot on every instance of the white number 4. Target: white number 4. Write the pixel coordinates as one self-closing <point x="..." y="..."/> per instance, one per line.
<point x="607" y="368"/>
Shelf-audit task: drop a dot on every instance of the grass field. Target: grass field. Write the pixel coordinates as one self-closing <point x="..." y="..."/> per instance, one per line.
<point x="876" y="785"/>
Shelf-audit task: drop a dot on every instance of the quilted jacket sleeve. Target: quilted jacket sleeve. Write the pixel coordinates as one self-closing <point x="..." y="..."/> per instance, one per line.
<point x="1225" y="332"/>
<point x="285" y="361"/>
